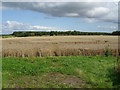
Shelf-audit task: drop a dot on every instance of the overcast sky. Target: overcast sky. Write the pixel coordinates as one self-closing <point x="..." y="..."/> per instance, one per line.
<point x="59" y="16"/>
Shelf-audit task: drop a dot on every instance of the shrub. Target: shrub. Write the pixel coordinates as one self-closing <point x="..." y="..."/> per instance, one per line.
<point x="107" y="53"/>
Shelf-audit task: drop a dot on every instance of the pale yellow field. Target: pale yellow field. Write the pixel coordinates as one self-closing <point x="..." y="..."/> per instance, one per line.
<point x="58" y="45"/>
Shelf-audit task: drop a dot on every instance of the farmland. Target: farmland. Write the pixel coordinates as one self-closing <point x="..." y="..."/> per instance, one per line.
<point x="60" y="62"/>
<point x="59" y="46"/>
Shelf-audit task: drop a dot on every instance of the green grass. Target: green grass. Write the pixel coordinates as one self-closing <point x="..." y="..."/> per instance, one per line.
<point x="7" y="36"/>
<point x="58" y="72"/>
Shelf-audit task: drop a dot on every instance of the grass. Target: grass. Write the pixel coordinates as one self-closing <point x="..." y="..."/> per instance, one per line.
<point x="59" y="72"/>
<point x="7" y="36"/>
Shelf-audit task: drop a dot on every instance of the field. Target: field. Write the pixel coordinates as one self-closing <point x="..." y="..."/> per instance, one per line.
<point x="60" y="46"/>
<point x="60" y="62"/>
<point x="59" y="72"/>
<point x="7" y="36"/>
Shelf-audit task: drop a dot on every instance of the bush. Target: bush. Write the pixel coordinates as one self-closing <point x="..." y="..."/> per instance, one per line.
<point x="107" y="53"/>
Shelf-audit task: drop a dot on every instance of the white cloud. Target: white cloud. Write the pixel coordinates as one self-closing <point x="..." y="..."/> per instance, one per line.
<point x="100" y="11"/>
<point x="91" y="20"/>
<point x="11" y="26"/>
<point x="112" y="27"/>
<point x="42" y="28"/>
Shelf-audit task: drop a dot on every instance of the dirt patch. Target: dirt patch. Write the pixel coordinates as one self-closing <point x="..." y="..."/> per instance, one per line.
<point x="47" y="80"/>
<point x="68" y="80"/>
<point x="73" y="81"/>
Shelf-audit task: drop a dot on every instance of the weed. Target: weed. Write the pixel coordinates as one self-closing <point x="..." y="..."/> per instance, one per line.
<point x="93" y="70"/>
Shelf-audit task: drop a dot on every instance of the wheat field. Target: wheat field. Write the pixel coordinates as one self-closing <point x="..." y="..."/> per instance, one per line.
<point x="59" y="46"/>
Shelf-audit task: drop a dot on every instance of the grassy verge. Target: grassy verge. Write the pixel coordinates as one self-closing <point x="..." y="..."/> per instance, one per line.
<point x="58" y="72"/>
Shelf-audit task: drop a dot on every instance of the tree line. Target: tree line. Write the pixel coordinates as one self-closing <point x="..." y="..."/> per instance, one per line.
<point x="59" y="33"/>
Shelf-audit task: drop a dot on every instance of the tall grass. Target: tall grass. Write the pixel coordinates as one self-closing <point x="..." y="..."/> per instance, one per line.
<point x="38" y="52"/>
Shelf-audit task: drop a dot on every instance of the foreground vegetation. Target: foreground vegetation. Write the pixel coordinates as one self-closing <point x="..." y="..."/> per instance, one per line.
<point x="60" y="72"/>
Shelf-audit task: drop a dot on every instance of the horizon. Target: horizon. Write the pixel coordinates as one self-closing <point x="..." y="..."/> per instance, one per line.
<point x="55" y="31"/>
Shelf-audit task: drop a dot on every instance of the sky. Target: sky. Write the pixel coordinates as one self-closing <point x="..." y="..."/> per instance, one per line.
<point x="59" y="16"/>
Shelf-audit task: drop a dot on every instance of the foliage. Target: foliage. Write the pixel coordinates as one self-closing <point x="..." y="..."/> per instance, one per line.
<point x="56" y="33"/>
<point x="96" y="71"/>
<point x="52" y="33"/>
<point x="116" y="33"/>
<point x="107" y="53"/>
<point x="7" y="36"/>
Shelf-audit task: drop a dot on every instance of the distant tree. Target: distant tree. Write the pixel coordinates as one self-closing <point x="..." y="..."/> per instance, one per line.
<point x="116" y="33"/>
<point x="51" y="33"/>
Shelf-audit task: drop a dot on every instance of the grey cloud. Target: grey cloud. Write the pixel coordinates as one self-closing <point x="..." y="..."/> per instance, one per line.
<point x="99" y="11"/>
